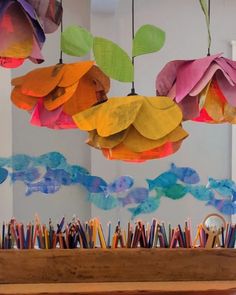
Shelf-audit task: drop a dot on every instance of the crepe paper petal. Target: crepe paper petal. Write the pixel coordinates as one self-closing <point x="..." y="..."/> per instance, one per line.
<point x="36" y="54"/>
<point x="189" y="75"/>
<point x="49" y="13"/>
<point x="231" y="62"/>
<point x="56" y="119"/>
<point x="28" y="8"/>
<point x="210" y="80"/>
<point x="227" y="70"/>
<point x="10" y="63"/>
<point x="228" y="91"/>
<point x="109" y="142"/>
<point x="122" y="153"/>
<point x="3" y="6"/>
<point x="87" y="119"/>
<point x="50" y="77"/>
<point x="214" y="103"/>
<point x="83" y="98"/>
<point x="76" y="41"/>
<point x="113" y="60"/>
<point x="121" y="127"/>
<point x="190" y="107"/>
<point x="135" y="142"/>
<point x="65" y="90"/>
<point x="230" y="114"/>
<point x="158" y="116"/>
<point x="17" y="81"/>
<point x="16" y="33"/>
<point x="22" y="101"/>
<point x="148" y="39"/>
<point x="21" y="33"/>
<point x="33" y="20"/>
<point x="204" y="81"/>
<point x="101" y="80"/>
<point x="92" y="88"/>
<point x="167" y="77"/>
<point x="42" y="81"/>
<point x="203" y="117"/>
<point x="74" y="72"/>
<point x="42" y="117"/>
<point x="111" y="117"/>
<point x="205" y="7"/>
<point x="59" y="96"/>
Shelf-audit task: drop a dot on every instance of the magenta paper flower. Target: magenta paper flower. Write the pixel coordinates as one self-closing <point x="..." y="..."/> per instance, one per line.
<point x="204" y="88"/>
<point x="23" y="25"/>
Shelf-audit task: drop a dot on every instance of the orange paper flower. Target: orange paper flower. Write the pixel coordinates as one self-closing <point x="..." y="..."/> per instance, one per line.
<point x="64" y="89"/>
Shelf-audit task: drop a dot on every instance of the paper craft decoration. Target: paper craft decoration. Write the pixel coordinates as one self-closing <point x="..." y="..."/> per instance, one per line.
<point x="134" y="128"/>
<point x="54" y="94"/>
<point x="76" y="41"/>
<point x="204" y="88"/>
<point x="49" y="172"/>
<point x="148" y="39"/>
<point x="111" y="58"/>
<point x="23" y="25"/>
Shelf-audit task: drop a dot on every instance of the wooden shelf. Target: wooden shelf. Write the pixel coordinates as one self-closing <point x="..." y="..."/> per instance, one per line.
<point x="148" y="288"/>
<point x="119" y="271"/>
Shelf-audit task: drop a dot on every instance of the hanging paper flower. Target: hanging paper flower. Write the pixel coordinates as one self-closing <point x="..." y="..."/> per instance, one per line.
<point x="49" y="13"/>
<point x="22" y="34"/>
<point x="54" y="94"/>
<point x="134" y="128"/>
<point x="204" y="88"/>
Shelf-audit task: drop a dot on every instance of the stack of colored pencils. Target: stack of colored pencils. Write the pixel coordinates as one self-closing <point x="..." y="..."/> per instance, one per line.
<point x="76" y="234"/>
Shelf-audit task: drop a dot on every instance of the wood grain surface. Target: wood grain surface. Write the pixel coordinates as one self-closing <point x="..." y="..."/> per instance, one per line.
<point x="147" y="288"/>
<point x="119" y="265"/>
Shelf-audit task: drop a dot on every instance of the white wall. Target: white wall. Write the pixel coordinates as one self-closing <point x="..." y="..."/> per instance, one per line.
<point x="208" y="148"/>
<point x="35" y="141"/>
<point x="6" y="190"/>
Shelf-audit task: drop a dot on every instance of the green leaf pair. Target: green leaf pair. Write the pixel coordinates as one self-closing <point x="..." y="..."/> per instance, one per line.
<point x="111" y="58"/>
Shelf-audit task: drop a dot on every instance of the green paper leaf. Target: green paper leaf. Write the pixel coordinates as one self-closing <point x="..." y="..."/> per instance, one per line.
<point x="148" y="39"/>
<point x="113" y="60"/>
<point x="76" y="41"/>
<point x="204" y="7"/>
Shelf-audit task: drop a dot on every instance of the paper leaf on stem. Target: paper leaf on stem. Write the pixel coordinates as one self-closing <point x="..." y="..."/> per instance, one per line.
<point x="76" y="41"/>
<point x="113" y="60"/>
<point x="148" y="39"/>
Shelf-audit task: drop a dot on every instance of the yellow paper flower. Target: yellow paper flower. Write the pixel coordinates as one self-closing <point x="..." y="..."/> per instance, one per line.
<point x="128" y="128"/>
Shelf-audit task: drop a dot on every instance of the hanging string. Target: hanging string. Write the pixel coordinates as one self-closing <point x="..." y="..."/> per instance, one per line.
<point x="209" y="21"/>
<point x="61" y="58"/>
<point x="133" y="58"/>
<point x="206" y="8"/>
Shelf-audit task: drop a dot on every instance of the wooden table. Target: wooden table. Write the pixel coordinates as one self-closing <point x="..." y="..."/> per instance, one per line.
<point x="120" y="271"/>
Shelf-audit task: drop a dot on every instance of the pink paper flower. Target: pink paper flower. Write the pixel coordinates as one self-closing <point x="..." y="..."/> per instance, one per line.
<point x="204" y="88"/>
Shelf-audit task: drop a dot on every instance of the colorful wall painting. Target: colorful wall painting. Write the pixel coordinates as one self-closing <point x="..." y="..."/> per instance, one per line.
<point x="49" y="172"/>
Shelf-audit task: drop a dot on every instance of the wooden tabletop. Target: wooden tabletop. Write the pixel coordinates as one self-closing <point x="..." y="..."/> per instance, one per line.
<point x="144" y="288"/>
